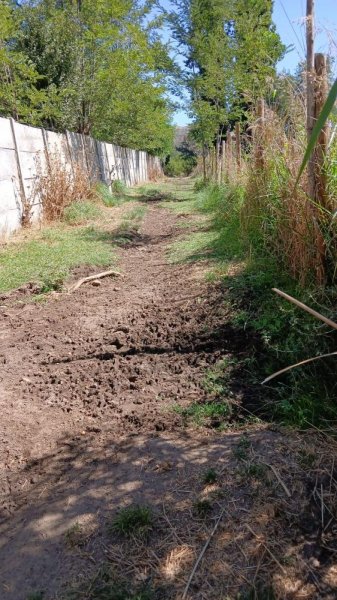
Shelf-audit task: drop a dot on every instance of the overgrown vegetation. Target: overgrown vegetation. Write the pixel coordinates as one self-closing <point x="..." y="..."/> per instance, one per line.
<point x="61" y="188"/>
<point x="281" y="334"/>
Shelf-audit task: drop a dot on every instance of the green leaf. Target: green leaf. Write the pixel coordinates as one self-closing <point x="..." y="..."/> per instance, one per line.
<point x="323" y="117"/>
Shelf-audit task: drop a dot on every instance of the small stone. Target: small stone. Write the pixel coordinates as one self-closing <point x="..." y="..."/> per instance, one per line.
<point x="96" y="283"/>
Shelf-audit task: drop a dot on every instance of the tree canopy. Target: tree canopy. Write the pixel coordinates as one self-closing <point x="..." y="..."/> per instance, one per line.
<point x="231" y="49"/>
<point x="92" y="66"/>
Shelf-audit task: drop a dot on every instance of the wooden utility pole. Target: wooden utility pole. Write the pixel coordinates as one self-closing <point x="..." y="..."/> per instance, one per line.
<point x="310" y="89"/>
<point x="229" y="149"/>
<point x="224" y="174"/>
<point x="259" y="135"/>
<point x="321" y="150"/>
<point x="238" y="145"/>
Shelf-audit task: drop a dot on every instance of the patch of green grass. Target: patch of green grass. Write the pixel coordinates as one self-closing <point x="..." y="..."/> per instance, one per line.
<point x="133" y="520"/>
<point x="79" y="213"/>
<point x="119" y="187"/>
<point x="216" y="380"/>
<point x="195" y="247"/>
<point x="200" y="185"/>
<point x="173" y="189"/>
<point x="181" y="207"/>
<point x="210" y="413"/>
<point x="35" y="596"/>
<point x="48" y="258"/>
<point x="210" y="476"/>
<point x="135" y="214"/>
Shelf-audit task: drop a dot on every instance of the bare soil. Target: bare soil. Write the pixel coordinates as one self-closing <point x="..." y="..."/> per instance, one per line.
<point x="87" y="390"/>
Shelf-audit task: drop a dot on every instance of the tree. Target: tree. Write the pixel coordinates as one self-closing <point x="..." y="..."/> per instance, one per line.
<point x="19" y="80"/>
<point x="230" y="50"/>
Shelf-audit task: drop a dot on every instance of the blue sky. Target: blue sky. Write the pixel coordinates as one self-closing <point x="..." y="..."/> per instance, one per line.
<point x="288" y="18"/>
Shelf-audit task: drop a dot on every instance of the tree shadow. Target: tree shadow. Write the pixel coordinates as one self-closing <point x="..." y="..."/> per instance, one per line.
<point x="262" y="544"/>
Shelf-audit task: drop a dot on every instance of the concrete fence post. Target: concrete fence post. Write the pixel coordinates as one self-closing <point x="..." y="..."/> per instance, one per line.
<point x="19" y="166"/>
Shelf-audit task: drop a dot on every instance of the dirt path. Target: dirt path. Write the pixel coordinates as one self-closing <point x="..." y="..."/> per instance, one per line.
<point x="88" y="382"/>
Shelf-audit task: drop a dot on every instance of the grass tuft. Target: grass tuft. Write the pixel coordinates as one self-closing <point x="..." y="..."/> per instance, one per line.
<point x="119" y="187"/>
<point x="133" y="520"/>
<point x="210" y="476"/>
<point x="211" y="413"/>
<point x="80" y="213"/>
<point x="202" y="508"/>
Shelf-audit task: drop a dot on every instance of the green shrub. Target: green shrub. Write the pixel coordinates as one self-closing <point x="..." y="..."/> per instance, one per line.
<point x="180" y="164"/>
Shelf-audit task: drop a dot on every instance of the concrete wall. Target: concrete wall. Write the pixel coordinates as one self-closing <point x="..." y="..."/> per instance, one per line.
<point x="24" y="155"/>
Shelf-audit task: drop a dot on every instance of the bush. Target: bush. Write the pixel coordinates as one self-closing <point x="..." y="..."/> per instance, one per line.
<point x="180" y="164"/>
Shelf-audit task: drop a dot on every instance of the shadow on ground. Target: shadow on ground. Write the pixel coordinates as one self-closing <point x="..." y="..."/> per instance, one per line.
<point x="60" y="541"/>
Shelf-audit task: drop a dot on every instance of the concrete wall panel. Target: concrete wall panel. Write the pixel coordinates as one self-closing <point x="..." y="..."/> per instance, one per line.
<point x="23" y="157"/>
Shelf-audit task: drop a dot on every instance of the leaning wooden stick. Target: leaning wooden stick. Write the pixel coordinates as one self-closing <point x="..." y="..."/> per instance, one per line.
<point x="80" y="282"/>
<point x="299" y="364"/>
<point x="200" y="556"/>
<point x="309" y="310"/>
<point x="278" y="477"/>
<point x="314" y="313"/>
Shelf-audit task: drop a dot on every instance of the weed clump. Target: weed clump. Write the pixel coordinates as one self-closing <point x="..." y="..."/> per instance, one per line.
<point x="60" y="187"/>
<point x="210" y="476"/>
<point x="202" y="508"/>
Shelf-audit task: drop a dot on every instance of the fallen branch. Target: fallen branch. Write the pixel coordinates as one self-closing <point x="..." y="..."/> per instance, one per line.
<point x="200" y="556"/>
<point x="278" y="477"/>
<point x="80" y="282"/>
